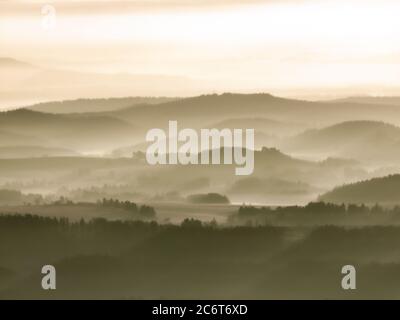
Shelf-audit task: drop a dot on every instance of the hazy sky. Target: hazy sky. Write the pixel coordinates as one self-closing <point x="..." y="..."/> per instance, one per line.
<point x="237" y="45"/>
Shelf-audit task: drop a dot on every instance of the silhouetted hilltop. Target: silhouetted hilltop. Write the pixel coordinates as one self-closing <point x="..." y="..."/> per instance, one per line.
<point x="385" y="190"/>
<point x="272" y="157"/>
<point x="349" y="130"/>
<point x="205" y="109"/>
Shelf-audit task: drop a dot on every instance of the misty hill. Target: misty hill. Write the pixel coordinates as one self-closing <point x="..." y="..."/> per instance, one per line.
<point x="363" y="140"/>
<point x="261" y="140"/>
<point x="95" y="105"/>
<point x="268" y="126"/>
<point x="267" y="132"/>
<point x="78" y="132"/>
<point x="384" y="190"/>
<point x="204" y="110"/>
<point x="277" y="178"/>
<point x="271" y="116"/>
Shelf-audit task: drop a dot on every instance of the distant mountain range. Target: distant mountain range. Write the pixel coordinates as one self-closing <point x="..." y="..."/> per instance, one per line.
<point x="25" y="84"/>
<point x="84" y="126"/>
<point x="207" y="109"/>
<point x="304" y="148"/>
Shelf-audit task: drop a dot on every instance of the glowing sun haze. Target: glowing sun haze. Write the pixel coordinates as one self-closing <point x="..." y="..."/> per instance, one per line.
<point x="286" y="47"/>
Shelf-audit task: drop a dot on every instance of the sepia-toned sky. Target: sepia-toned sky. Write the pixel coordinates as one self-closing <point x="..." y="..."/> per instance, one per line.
<point x="299" y="47"/>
